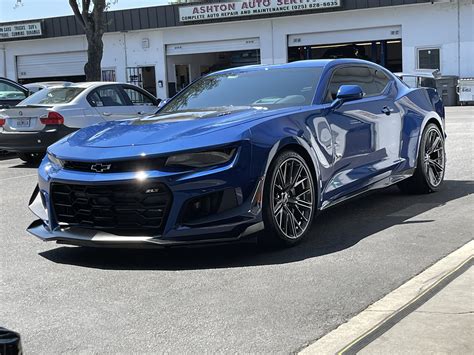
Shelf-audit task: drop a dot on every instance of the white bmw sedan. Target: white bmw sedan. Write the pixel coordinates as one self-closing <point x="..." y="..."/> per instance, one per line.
<point x="54" y="112"/>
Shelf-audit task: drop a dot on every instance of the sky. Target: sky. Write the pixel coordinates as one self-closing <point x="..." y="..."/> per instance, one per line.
<point x="35" y="9"/>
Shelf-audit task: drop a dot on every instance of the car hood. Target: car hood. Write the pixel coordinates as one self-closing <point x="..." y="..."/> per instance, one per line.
<point x="164" y="132"/>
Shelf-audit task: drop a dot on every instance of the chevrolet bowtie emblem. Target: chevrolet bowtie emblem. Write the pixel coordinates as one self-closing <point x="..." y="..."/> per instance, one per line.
<point x="100" y="168"/>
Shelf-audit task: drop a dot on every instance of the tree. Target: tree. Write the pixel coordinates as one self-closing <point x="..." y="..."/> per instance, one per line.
<point x="92" y="21"/>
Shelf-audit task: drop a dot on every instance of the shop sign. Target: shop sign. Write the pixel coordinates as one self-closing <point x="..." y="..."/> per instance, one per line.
<point x="222" y="10"/>
<point x="29" y="29"/>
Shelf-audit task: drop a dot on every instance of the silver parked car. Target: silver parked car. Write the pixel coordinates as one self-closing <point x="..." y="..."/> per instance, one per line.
<point x="54" y="112"/>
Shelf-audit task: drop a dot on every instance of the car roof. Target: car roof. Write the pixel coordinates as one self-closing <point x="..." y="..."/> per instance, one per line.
<point x="49" y="83"/>
<point x="88" y="84"/>
<point x="83" y="85"/>
<point x="311" y="63"/>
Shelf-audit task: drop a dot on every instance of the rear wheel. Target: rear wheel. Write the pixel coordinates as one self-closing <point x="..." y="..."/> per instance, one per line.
<point x="289" y="201"/>
<point x="429" y="172"/>
<point x="31" y="158"/>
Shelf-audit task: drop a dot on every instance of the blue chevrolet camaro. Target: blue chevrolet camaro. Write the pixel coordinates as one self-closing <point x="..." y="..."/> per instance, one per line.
<point x="251" y="151"/>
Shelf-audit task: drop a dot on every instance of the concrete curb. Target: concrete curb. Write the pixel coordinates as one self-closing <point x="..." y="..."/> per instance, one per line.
<point x="375" y="315"/>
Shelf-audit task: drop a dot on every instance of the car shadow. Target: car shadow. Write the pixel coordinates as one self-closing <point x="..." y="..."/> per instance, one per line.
<point x="7" y="156"/>
<point x="25" y="165"/>
<point x="335" y="229"/>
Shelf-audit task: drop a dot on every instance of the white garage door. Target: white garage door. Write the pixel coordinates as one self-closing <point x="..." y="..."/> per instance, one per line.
<point x="355" y="35"/>
<point x="213" y="46"/>
<point x="51" y="64"/>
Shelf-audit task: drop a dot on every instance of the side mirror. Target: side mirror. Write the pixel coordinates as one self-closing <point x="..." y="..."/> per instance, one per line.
<point x="347" y="93"/>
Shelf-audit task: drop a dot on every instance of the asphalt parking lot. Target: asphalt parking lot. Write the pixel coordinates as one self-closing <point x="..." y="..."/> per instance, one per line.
<point x="231" y="298"/>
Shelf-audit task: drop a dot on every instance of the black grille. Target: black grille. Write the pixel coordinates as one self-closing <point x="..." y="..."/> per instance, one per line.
<point x="144" y="164"/>
<point x="130" y="207"/>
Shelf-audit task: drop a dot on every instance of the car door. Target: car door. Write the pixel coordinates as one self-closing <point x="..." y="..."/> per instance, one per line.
<point x="143" y="103"/>
<point x="365" y="132"/>
<point x="110" y="102"/>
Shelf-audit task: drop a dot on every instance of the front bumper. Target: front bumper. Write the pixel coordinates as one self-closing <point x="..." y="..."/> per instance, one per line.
<point x="234" y="224"/>
<point x="33" y="142"/>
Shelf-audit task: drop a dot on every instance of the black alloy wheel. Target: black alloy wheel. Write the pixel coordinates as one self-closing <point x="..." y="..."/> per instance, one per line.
<point x="431" y="164"/>
<point x="289" y="200"/>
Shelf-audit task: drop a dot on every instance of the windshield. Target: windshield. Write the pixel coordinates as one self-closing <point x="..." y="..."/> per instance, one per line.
<point x="53" y="96"/>
<point x="270" y="88"/>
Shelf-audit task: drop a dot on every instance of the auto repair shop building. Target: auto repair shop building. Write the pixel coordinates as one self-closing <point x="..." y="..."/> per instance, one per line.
<point x="163" y="48"/>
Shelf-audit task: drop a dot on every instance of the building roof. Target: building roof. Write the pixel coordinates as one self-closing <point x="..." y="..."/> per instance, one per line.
<point x="168" y="16"/>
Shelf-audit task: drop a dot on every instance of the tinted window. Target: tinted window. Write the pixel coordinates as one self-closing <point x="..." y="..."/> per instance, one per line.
<point x="10" y="92"/>
<point x="272" y="88"/>
<point x="371" y="80"/>
<point x="106" y="96"/>
<point x="137" y="97"/>
<point x="428" y="58"/>
<point x="53" y="96"/>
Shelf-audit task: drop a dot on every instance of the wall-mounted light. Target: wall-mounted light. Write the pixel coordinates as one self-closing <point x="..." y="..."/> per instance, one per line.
<point x="160" y="83"/>
<point x="145" y="43"/>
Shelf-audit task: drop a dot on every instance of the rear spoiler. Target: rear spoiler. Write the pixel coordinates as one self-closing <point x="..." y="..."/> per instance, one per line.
<point x="428" y="73"/>
<point x="32" y="106"/>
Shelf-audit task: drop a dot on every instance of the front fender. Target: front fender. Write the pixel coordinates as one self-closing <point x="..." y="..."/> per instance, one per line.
<point x="265" y="148"/>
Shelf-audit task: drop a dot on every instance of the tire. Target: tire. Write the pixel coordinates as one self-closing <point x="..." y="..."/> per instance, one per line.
<point x="31" y="158"/>
<point x="289" y="201"/>
<point x="430" y="167"/>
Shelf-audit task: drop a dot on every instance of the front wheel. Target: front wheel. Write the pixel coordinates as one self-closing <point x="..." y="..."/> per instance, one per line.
<point x="429" y="172"/>
<point x="289" y="201"/>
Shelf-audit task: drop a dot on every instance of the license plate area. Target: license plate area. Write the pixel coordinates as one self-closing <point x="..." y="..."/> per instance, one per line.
<point x="23" y="122"/>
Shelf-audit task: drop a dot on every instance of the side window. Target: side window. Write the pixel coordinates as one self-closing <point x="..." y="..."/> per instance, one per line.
<point x="137" y="97"/>
<point x="380" y="81"/>
<point x="94" y="99"/>
<point x="371" y="80"/>
<point x="106" y="96"/>
<point x="342" y="76"/>
<point x="10" y="92"/>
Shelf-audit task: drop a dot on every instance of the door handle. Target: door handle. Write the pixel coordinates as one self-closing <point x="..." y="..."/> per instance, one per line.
<point x="387" y="110"/>
<point x="107" y="113"/>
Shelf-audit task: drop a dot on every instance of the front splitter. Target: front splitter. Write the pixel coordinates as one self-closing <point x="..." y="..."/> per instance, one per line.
<point x="93" y="238"/>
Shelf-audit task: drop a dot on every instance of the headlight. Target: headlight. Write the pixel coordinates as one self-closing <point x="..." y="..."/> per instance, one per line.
<point x="55" y="161"/>
<point x="200" y="159"/>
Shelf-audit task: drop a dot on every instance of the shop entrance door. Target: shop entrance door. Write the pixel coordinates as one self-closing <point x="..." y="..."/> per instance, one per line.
<point x="381" y="45"/>
<point x="187" y="62"/>
<point x="143" y="77"/>
<point x="182" y="76"/>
